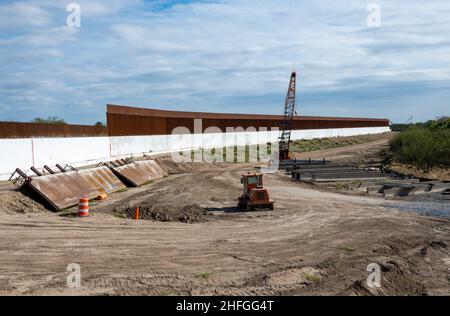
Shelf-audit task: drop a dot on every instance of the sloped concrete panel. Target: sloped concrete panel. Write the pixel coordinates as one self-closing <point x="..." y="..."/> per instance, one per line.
<point x="139" y="172"/>
<point x="64" y="190"/>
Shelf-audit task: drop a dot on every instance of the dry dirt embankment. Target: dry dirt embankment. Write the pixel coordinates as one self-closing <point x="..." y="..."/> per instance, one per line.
<point x="435" y="173"/>
<point x="355" y="150"/>
<point x="315" y="144"/>
<point x="14" y="202"/>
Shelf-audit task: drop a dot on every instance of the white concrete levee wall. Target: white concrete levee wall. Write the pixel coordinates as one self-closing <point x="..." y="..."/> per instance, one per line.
<point x="335" y="132"/>
<point x="15" y="153"/>
<point x="81" y="150"/>
<point x="84" y="151"/>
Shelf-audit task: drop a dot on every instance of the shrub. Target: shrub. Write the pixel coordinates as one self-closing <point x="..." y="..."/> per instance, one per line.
<point x="423" y="146"/>
<point x="49" y="120"/>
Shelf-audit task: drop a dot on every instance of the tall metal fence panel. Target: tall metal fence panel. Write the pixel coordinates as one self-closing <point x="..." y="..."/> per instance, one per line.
<point x="27" y="130"/>
<point x="130" y="121"/>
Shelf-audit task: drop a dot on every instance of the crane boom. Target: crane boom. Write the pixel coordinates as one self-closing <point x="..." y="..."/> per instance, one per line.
<point x="286" y="126"/>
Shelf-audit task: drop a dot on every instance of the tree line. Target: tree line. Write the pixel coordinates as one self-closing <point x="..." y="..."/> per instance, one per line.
<point x="423" y="145"/>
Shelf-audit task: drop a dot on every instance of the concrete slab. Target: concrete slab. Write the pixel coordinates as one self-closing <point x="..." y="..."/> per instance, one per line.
<point x="390" y="192"/>
<point x="139" y="172"/>
<point x="439" y="187"/>
<point x="103" y="177"/>
<point x="406" y="191"/>
<point x="422" y="189"/>
<point x="345" y="179"/>
<point x="374" y="189"/>
<point x="64" y="190"/>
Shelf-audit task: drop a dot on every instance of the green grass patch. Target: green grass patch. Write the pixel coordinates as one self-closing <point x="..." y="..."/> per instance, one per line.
<point x="312" y="277"/>
<point x="348" y="249"/>
<point x="120" y="215"/>
<point x="67" y="213"/>
<point x="204" y="276"/>
<point x="341" y="186"/>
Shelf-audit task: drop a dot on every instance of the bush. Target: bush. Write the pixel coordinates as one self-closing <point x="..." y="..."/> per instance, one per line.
<point x="440" y="122"/>
<point x="49" y="120"/>
<point x="423" y="147"/>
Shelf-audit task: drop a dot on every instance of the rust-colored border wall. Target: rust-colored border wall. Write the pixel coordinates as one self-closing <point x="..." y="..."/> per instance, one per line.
<point x="27" y="130"/>
<point x="128" y="121"/>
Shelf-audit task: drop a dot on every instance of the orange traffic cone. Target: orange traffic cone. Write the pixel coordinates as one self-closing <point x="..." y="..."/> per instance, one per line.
<point x="83" y="207"/>
<point x="136" y="216"/>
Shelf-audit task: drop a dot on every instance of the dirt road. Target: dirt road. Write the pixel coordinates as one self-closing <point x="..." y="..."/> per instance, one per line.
<point x="314" y="243"/>
<point x="371" y="152"/>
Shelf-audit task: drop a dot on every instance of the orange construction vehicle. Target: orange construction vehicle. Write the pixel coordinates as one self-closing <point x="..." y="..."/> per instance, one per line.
<point x="254" y="195"/>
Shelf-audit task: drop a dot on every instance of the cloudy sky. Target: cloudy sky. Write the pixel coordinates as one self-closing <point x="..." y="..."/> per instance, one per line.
<point x="230" y="56"/>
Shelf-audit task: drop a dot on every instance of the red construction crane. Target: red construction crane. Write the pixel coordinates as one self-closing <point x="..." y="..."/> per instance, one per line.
<point x="286" y="127"/>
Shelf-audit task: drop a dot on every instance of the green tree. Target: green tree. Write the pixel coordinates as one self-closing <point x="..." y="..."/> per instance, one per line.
<point x="423" y="146"/>
<point x="49" y="120"/>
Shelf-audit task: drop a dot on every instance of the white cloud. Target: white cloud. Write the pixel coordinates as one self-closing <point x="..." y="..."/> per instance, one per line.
<point x="90" y="8"/>
<point x="22" y="14"/>
<point x="228" y="55"/>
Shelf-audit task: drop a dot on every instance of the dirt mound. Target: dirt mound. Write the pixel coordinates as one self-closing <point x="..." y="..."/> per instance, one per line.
<point x="165" y="213"/>
<point x="171" y="167"/>
<point x="293" y="276"/>
<point x="15" y="202"/>
<point x="436" y="173"/>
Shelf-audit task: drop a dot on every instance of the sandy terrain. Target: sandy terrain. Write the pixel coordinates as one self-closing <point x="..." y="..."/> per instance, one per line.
<point x="314" y="243"/>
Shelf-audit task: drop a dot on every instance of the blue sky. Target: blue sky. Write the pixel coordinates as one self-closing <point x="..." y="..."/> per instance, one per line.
<point x="224" y="56"/>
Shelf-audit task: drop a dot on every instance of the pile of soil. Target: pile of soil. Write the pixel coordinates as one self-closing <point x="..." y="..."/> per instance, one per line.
<point x="15" y="202"/>
<point x="171" y="167"/>
<point x="166" y="213"/>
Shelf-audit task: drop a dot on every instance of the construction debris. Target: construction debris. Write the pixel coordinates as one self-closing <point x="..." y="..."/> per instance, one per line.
<point x="292" y="164"/>
<point x="372" y="181"/>
<point x="330" y="173"/>
<point x="407" y="188"/>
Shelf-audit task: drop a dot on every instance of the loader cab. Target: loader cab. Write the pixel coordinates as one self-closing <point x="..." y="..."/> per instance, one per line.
<point x="254" y="195"/>
<point x="252" y="181"/>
